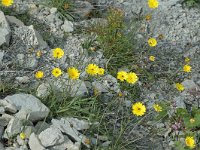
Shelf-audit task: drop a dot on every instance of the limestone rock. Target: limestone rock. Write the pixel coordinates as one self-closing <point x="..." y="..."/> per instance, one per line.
<point x="34" y="143"/>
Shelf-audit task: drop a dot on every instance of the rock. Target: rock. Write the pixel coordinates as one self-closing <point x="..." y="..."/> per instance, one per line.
<point x="189" y="84"/>
<point x="2" y="110"/>
<point x="23" y="80"/>
<point x="53" y="10"/>
<point x="31" y="105"/>
<point x="1" y="131"/>
<point x="77" y="124"/>
<point x="4" y="30"/>
<point x="67" y="26"/>
<point x="179" y="101"/>
<point x="1" y="57"/>
<point x="4" y="121"/>
<point x="43" y="90"/>
<point x="31" y="62"/>
<point x="34" y="143"/>
<point x="1" y="146"/>
<point x="51" y="136"/>
<point x="8" y="107"/>
<point x="13" y="128"/>
<point x="84" y="8"/>
<point x="65" y="127"/>
<point x="20" y="59"/>
<point x="41" y="126"/>
<point x="14" y="20"/>
<point x="20" y="141"/>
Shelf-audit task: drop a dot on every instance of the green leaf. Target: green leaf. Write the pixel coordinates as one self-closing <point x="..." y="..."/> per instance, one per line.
<point x="162" y="115"/>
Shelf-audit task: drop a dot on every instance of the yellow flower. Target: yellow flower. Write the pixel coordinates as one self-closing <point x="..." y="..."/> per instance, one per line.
<point x="92" y="69"/>
<point x="153" y="4"/>
<point x="56" y="72"/>
<point x="151" y="58"/>
<point x="73" y="73"/>
<point x="187" y="60"/>
<point x="38" y="54"/>
<point x="22" y="135"/>
<point x="192" y="120"/>
<point x="187" y="68"/>
<point x="152" y="42"/>
<point x="190" y="142"/>
<point x="39" y="74"/>
<point x="120" y="94"/>
<point x="7" y="2"/>
<point x="148" y="17"/>
<point x="157" y="107"/>
<point x="122" y="75"/>
<point x="131" y="78"/>
<point x="101" y="71"/>
<point x="180" y="86"/>
<point x="138" y="109"/>
<point x="58" y="53"/>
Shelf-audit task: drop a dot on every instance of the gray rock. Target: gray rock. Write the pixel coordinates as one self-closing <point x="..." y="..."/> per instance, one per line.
<point x="2" y="110"/>
<point x="43" y="90"/>
<point x="53" y="10"/>
<point x="13" y="128"/>
<point x="189" y="84"/>
<point x="20" y="59"/>
<point x="1" y="146"/>
<point x="4" y="121"/>
<point x="41" y="126"/>
<point x="24" y="79"/>
<point x="34" y="143"/>
<point x="30" y="104"/>
<point x="8" y="106"/>
<point x="84" y="8"/>
<point x="67" y="26"/>
<point x="78" y="124"/>
<point x="4" y="30"/>
<point x="51" y="136"/>
<point x="65" y="127"/>
<point x="1" y="57"/>
<point x="14" y="20"/>
<point x="1" y="131"/>
<point x="31" y="62"/>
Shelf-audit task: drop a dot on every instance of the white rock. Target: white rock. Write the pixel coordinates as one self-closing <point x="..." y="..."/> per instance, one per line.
<point x="78" y="124"/>
<point x="34" y="143"/>
<point x="43" y="90"/>
<point x="1" y="57"/>
<point x="53" y="10"/>
<point x="51" y="136"/>
<point x="24" y="79"/>
<point x="14" y="20"/>
<point x="4" y="30"/>
<point x="8" y="107"/>
<point x="65" y="127"/>
<point x="13" y="128"/>
<point x="68" y="26"/>
<point x="189" y="84"/>
<point x="41" y="126"/>
<point x="2" y="110"/>
<point x="31" y="105"/>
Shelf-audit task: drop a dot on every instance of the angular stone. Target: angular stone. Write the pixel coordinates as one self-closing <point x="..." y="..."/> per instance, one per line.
<point x="67" y="26"/>
<point x="41" y="126"/>
<point x="4" y="30"/>
<point x="8" y="107"/>
<point x="29" y="104"/>
<point x="43" y="90"/>
<point x="51" y="136"/>
<point x="34" y="143"/>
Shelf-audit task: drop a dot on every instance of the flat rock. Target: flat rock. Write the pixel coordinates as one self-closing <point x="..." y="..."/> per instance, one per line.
<point x="4" y="30"/>
<point x="34" y="143"/>
<point x="51" y="136"/>
<point x="34" y="108"/>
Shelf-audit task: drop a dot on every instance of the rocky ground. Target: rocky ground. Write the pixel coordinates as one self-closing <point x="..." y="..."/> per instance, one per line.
<point x="31" y="30"/>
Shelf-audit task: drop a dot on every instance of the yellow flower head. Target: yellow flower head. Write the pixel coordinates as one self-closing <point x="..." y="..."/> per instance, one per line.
<point x="58" y="53"/>
<point x="138" y="109"/>
<point x="190" y="142"/>
<point x="39" y="74"/>
<point x="153" y="4"/>
<point x="92" y="69"/>
<point x="101" y="71"/>
<point x="192" y="120"/>
<point x="148" y="17"/>
<point x="56" y="72"/>
<point x="151" y="58"/>
<point x="180" y="87"/>
<point x="152" y="42"/>
<point x="38" y="54"/>
<point x="7" y="3"/>
<point x="22" y="135"/>
<point x="187" y="60"/>
<point x="157" y="107"/>
<point x="120" y="94"/>
<point x="122" y="75"/>
<point x="132" y="78"/>
<point x="73" y="73"/>
<point x="187" y="68"/>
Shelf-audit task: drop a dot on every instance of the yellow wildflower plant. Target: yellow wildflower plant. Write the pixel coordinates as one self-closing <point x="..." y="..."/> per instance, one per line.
<point x="138" y="109"/>
<point x="22" y="135"/>
<point x="190" y="142"/>
<point x="58" y="53"/>
<point x="73" y="73"/>
<point x="7" y="3"/>
<point x="152" y="42"/>
<point x="56" y="72"/>
<point x="153" y="4"/>
<point x="157" y="107"/>
<point x="39" y="74"/>
<point x="180" y="87"/>
<point x="152" y="58"/>
<point x="192" y="120"/>
<point x="187" y="68"/>
<point x="101" y="71"/>
<point x="187" y="59"/>
<point x="122" y="75"/>
<point x="38" y="54"/>
<point x="92" y="69"/>
<point x="132" y="78"/>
